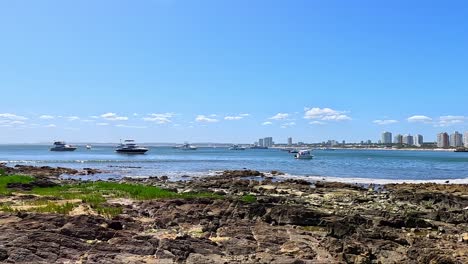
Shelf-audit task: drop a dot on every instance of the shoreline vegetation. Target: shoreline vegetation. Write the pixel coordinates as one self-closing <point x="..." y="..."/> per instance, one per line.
<point x="240" y="216"/>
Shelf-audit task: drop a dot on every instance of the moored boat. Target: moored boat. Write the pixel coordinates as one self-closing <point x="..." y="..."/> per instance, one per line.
<point x="187" y="146"/>
<point x="236" y="147"/>
<point x="130" y="147"/>
<point x="62" y="146"/>
<point x="303" y="154"/>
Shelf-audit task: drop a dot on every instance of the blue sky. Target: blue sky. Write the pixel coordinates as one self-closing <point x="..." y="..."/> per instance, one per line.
<point x="231" y="71"/>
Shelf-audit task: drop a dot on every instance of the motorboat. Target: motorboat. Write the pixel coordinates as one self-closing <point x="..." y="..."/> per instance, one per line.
<point x="88" y="146"/>
<point x="293" y="151"/>
<point x="187" y="146"/>
<point x="236" y="147"/>
<point x="130" y="147"/>
<point x="303" y="154"/>
<point x="62" y="146"/>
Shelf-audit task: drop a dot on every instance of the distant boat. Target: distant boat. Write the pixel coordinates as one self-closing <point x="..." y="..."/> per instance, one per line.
<point x="88" y="146"/>
<point x="186" y="146"/>
<point x="303" y="154"/>
<point x="293" y="151"/>
<point x="129" y="147"/>
<point x="236" y="147"/>
<point x="461" y="149"/>
<point x="62" y="146"/>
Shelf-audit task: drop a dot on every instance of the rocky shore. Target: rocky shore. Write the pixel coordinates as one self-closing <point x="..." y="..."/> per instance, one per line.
<point x="251" y="218"/>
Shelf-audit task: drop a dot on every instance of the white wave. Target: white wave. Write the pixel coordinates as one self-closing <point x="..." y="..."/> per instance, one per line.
<point x="312" y="178"/>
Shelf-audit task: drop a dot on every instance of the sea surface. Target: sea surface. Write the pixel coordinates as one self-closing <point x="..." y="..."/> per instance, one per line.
<point x="361" y="166"/>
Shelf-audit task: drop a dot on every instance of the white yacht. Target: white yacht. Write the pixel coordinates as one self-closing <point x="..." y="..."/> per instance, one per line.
<point x="129" y="147"/>
<point x="187" y="146"/>
<point x="236" y="147"/>
<point x="62" y="146"/>
<point x="303" y="154"/>
<point x="88" y="146"/>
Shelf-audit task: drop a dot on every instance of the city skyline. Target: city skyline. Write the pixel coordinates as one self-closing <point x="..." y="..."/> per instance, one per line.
<point x="172" y="71"/>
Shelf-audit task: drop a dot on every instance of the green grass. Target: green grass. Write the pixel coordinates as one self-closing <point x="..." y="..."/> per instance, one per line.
<point x="5" y="179"/>
<point x="94" y="194"/>
<point x="248" y="198"/>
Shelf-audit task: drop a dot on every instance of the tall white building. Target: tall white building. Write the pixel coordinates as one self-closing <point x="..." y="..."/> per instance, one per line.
<point x="268" y="142"/>
<point x="418" y="140"/>
<point x="386" y="138"/>
<point x="261" y="143"/>
<point x="443" y="140"/>
<point x="398" y="139"/>
<point x="456" y="139"/>
<point x="408" y="140"/>
<point x="465" y="138"/>
<point x="289" y="141"/>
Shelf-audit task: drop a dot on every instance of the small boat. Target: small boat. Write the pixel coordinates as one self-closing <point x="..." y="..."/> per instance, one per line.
<point x="293" y="151"/>
<point x="461" y="149"/>
<point x="187" y="146"/>
<point x="303" y="154"/>
<point x="62" y="146"/>
<point x="236" y="147"/>
<point x="129" y="147"/>
<point x="88" y="146"/>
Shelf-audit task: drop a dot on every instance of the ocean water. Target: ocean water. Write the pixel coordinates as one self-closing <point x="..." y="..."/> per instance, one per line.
<point x="365" y="166"/>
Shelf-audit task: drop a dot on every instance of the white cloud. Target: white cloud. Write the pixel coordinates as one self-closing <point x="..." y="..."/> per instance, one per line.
<point x="450" y="120"/>
<point x="51" y="125"/>
<point x="12" y="117"/>
<point x="233" y="117"/>
<point x="46" y="117"/>
<point x="279" y="116"/>
<point x="385" y="121"/>
<point x="205" y="119"/>
<point x="163" y="118"/>
<point x="286" y="125"/>
<point x="419" y="119"/>
<point x="113" y="117"/>
<point x="72" y="118"/>
<point x="102" y="124"/>
<point x="317" y="122"/>
<point x="267" y="123"/>
<point x="325" y="114"/>
<point x="94" y="117"/>
<point x="129" y="126"/>
<point x="236" y="117"/>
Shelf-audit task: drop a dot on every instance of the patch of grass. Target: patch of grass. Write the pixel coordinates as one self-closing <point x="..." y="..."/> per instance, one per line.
<point x="2" y="172"/>
<point x="94" y="192"/>
<point x="50" y="207"/>
<point x="6" y="179"/>
<point x="107" y="211"/>
<point x="248" y="198"/>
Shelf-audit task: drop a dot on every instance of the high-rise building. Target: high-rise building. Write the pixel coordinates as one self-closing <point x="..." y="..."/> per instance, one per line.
<point x="398" y="139"/>
<point x="418" y="140"/>
<point x="408" y="140"/>
<point x="465" y="137"/>
<point x="386" y="138"/>
<point x="442" y="140"/>
<point x="289" y="141"/>
<point x="260" y="142"/>
<point x="268" y="142"/>
<point x="456" y="139"/>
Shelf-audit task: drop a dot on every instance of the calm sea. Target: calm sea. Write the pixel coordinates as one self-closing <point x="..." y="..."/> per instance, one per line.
<point x="378" y="166"/>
